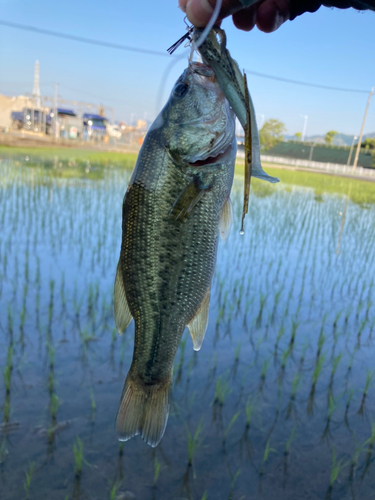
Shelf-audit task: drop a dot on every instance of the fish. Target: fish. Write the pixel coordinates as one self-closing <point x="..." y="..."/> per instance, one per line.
<point x="214" y="52"/>
<point x="175" y="208"/>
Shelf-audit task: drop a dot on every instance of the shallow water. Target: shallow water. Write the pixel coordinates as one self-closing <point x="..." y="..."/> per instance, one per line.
<point x="279" y="402"/>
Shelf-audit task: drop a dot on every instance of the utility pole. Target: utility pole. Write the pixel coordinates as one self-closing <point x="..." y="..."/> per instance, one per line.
<point x="311" y="150"/>
<point x="55" y="109"/>
<point x="362" y="128"/>
<point x="304" y="127"/>
<point x="351" y="151"/>
<point x="36" y="86"/>
<point x="261" y="121"/>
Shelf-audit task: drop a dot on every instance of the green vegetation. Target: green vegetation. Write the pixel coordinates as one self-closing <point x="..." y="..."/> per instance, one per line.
<point x="194" y="441"/>
<point x="28" y="476"/>
<point x="271" y="134"/>
<point x="362" y="192"/>
<point x="78" y="456"/>
<point x="330" y="136"/>
<point x="320" y="152"/>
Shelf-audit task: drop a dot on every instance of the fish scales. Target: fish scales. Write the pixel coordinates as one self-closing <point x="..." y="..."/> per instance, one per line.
<point x="171" y="217"/>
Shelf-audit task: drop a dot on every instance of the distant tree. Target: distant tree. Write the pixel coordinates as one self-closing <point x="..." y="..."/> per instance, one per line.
<point x="329" y="136"/>
<point x="271" y="134"/>
<point x="298" y="136"/>
<point x="368" y="143"/>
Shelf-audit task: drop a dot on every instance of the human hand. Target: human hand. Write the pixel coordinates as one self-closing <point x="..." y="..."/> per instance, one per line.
<point x="267" y="15"/>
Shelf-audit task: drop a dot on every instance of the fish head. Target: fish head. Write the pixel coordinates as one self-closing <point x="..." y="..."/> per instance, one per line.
<point x="199" y="124"/>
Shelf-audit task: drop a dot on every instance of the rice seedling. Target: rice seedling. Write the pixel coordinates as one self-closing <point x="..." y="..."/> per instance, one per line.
<point x="360" y="330"/>
<point x="336" y="467"/>
<point x="114" y="489"/>
<point x="205" y="495"/>
<point x="280" y="333"/>
<point x="10" y="322"/>
<point x="237" y="352"/>
<point x="284" y="359"/>
<point x="28" y="476"/>
<point x="351" y="359"/>
<point x="158" y="467"/>
<point x="332" y="406"/>
<point x="358" y="449"/>
<point x="229" y="426"/>
<point x="295" y="383"/>
<point x="335" y="363"/>
<point x="249" y="410"/>
<point x="337" y="317"/>
<point x="54" y="406"/>
<point x="288" y="444"/>
<point x="369" y="377"/>
<point x="78" y="456"/>
<point x="3" y="451"/>
<point x="7" y="375"/>
<point x="262" y="301"/>
<point x="222" y="391"/>
<point x="194" y="441"/>
<point x="232" y="483"/>
<point x="370" y="445"/>
<point x="293" y="334"/>
<point x="266" y="453"/>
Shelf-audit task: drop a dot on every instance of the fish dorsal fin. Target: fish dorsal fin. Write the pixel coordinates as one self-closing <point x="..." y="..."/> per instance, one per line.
<point x="198" y="324"/>
<point x="226" y="219"/>
<point x="188" y="199"/>
<point x="122" y="312"/>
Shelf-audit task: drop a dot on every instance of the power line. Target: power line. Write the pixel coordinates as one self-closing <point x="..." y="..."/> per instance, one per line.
<point x="91" y="41"/>
<point x="306" y="84"/>
<point x="102" y="43"/>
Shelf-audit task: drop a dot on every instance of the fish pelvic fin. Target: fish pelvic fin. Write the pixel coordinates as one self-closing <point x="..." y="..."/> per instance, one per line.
<point x="143" y="410"/>
<point x="122" y="312"/>
<point x="226" y="220"/>
<point x="199" y="322"/>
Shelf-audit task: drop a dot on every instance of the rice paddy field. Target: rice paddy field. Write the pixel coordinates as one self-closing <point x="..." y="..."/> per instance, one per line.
<point x="278" y="403"/>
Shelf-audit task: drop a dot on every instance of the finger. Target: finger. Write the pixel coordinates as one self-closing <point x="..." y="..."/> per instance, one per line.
<point x="245" y="19"/>
<point x="199" y="11"/>
<point x="272" y="14"/>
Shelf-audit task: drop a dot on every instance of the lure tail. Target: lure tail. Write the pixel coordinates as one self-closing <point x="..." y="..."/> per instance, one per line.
<point x="143" y="410"/>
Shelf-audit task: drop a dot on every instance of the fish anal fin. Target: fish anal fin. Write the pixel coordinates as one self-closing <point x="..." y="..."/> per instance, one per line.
<point x="188" y="199"/>
<point x="198" y="324"/>
<point x="143" y="410"/>
<point x="226" y="219"/>
<point x="122" y="312"/>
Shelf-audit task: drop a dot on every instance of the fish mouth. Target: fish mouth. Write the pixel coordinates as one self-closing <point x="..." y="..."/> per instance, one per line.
<point x="210" y="160"/>
<point x="202" y="69"/>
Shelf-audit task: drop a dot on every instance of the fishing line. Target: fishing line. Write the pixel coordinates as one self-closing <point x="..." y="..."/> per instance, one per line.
<point x="210" y="24"/>
<point x="159" y="97"/>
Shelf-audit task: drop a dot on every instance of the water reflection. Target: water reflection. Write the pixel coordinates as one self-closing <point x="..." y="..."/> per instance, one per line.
<point x="279" y="401"/>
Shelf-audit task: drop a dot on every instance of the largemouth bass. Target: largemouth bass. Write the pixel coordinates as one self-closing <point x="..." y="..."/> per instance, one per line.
<point x="175" y="207"/>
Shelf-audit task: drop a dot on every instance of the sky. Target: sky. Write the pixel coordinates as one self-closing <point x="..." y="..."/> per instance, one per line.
<point x="331" y="47"/>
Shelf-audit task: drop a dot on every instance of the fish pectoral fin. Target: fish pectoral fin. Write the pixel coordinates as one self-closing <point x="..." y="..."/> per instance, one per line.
<point x="226" y="219"/>
<point x="122" y="312"/>
<point x="199" y="322"/>
<point x="188" y="199"/>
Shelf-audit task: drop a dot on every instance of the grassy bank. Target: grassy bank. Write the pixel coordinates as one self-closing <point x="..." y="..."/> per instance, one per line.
<point x="359" y="191"/>
<point x="74" y="162"/>
<point x="48" y="153"/>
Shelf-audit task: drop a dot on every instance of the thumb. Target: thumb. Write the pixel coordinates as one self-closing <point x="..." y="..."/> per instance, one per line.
<point x="199" y="11"/>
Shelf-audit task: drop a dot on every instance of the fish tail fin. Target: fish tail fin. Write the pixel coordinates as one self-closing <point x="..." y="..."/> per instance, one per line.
<point x="143" y="410"/>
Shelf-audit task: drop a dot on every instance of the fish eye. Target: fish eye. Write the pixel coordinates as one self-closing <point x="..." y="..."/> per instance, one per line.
<point x="181" y="89"/>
